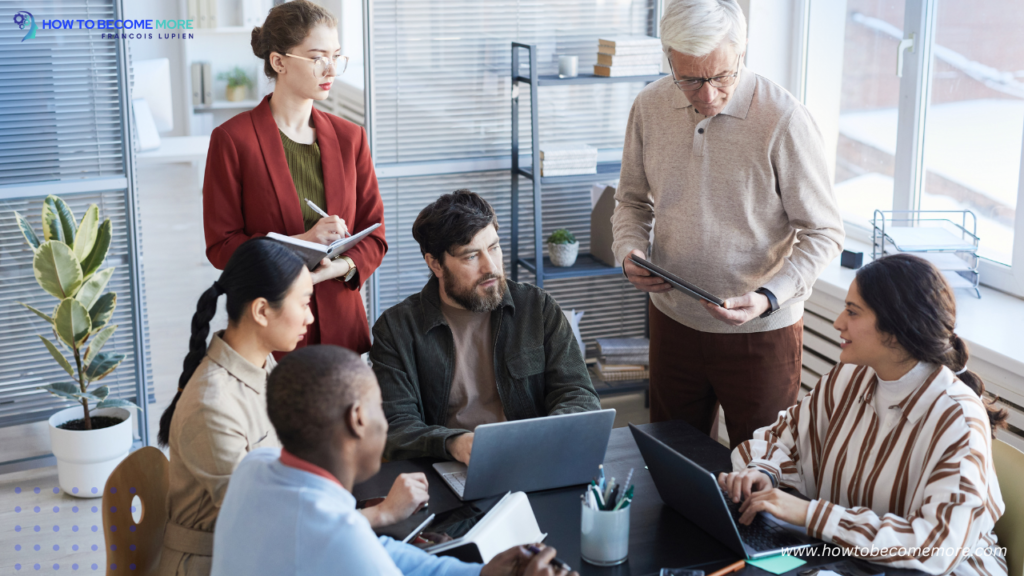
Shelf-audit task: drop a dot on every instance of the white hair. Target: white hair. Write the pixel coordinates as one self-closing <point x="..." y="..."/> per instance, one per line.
<point x="697" y="27"/>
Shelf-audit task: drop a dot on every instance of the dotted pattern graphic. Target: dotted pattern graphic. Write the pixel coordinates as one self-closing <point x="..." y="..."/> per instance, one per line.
<point x="44" y="513"/>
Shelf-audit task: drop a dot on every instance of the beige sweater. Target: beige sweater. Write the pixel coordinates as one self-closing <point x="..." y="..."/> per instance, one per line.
<point x="220" y="417"/>
<point x="738" y="201"/>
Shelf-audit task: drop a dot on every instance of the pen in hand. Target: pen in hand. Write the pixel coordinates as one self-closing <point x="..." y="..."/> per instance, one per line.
<point x="554" y="562"/>
<point x="325" y="215"/>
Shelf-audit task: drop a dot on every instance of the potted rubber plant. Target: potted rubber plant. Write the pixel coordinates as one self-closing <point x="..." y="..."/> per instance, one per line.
<point x="91" y="438"/>
<point x="238" y="84"/>
<point x="563" y="248"/>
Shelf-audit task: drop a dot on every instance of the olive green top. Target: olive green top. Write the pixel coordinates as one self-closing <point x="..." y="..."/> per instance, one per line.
<point x="308" y="176"/>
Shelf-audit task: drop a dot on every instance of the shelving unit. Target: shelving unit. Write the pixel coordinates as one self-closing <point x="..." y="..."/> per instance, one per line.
<point x="540" y="265"/>
<point x="228" y="105"/>
<point x="224" y="47"/>
<point x="934" y="235"/>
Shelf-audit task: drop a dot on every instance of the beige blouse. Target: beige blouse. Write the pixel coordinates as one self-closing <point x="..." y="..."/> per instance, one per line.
<point x="220" y="417"/>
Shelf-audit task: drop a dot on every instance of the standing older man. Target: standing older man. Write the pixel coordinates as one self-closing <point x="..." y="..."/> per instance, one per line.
<point x="730" y="171"/>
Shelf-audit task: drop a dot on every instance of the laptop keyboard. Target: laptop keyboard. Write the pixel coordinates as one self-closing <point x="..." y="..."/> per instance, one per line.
<point x="457" y="480"/>
<point x="760" y="534"/>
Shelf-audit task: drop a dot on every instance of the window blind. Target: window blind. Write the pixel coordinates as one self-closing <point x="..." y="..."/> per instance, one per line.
<point x="59" y="111"/>
<point x="442" y="73"/>
<point x="441" y="91"/>
<point x="63" y="113"/>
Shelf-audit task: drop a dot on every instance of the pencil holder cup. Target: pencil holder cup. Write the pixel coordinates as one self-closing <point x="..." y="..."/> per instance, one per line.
<point x="604" y="536"/>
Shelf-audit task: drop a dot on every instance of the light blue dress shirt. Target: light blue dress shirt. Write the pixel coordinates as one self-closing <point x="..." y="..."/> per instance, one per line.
<point x="280" y="520"/>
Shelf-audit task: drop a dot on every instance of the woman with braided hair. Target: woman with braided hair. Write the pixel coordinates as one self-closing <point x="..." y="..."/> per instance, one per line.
<point x="219" y="413"/>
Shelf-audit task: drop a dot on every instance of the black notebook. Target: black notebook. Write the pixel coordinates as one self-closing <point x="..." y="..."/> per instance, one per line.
<point x="312" y="253"/>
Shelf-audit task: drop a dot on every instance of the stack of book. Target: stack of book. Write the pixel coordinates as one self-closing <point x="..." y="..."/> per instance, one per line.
<point x="568" y="160"/>
<point x="622" y="359"/>
<point x="628" y="56"/>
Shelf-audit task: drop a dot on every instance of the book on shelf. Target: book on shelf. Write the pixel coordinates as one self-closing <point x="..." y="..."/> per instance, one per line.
<point x="568" y="151"/>
<point x="547" y="165"/>
<point x="623" y="346"/>
<point x="651" y="59"/>
<point x="211" y="12"/>
<point x="197" y="83"/>
<point x="620" y="372"/>
<point x="547" y="172"/>
<point x="254" y="12"/>
<point x="630" y="42"/>
<point x="207" y="84"/>
<point x="192" y="12"/>
<point x="627" y="359"/>
<point x="617" y="72"/>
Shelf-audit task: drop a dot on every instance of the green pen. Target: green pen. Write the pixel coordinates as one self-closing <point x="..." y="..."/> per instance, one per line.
<point x="623" y="503"/>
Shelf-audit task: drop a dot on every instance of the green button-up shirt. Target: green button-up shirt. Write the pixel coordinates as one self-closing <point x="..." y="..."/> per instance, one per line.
<point x="538" y="367"/>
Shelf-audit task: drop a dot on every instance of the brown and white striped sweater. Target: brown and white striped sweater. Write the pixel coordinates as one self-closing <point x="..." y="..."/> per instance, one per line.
<point x="926" y="484"/>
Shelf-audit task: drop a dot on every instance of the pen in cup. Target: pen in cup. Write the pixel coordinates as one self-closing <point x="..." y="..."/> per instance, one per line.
<point x="324" y="214"/>
<point x="555" y="562"/>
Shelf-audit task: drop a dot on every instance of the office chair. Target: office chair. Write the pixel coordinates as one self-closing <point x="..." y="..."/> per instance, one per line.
<point x="1009" y="464"/>
<point x="135" y="546"/>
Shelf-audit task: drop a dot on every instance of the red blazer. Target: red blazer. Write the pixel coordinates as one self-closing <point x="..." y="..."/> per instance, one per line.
<point x="248" y="191"/>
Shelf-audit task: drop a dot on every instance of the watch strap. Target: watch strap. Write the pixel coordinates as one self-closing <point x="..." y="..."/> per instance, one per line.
<point x="772" y="301"/>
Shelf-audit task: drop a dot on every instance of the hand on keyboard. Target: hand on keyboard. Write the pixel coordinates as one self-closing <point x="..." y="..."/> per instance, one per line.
<point x="740" y="485"/>
<point x="777" y="503"/>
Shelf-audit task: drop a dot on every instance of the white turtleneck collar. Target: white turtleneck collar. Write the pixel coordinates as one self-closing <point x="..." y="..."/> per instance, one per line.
<point x="889" y="393"/>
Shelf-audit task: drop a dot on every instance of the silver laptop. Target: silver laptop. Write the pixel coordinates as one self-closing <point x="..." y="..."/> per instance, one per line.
<point x="694" y="492"/>
<point x="534" y="454"/>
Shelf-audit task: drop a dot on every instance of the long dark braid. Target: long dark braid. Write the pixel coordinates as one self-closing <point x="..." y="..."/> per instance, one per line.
<point x="259" y="268"/>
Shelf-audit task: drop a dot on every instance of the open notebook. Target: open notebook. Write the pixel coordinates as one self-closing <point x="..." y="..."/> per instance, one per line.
<point x="312" y="253"/>
<point x="509" y="523"/>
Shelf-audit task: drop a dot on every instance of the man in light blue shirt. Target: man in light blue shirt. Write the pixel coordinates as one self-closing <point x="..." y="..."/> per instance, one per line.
<point x="290" y="511"/>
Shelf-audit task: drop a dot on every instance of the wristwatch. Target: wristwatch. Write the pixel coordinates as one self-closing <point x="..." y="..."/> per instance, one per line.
<point x="772" y="301"/>
<point x="351" y="269"/>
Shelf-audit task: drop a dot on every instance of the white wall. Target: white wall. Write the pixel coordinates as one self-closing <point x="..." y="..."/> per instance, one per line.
<point x="775" y="50"/>
<point x="146" y="49"/>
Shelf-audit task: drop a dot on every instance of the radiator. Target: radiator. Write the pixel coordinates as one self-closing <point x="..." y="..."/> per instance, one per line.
<point x="821" y="353"/>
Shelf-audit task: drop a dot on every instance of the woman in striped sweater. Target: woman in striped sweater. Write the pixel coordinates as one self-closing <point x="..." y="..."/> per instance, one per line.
<point x="893" y="445"/>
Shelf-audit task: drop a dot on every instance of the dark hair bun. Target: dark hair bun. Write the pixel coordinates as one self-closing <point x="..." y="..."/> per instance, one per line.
<point x="257" y="43"/>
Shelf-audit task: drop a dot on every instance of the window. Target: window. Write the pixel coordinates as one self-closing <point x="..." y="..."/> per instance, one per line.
<point x="64" y="130"/>
<point x="866" y="146"/>
<point x="975" y="121"/>
<point x="930" y="116"/>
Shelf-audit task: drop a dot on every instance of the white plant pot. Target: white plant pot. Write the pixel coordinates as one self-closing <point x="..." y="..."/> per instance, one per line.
<point x="563" y="255"/>
<point x="85" y="458"/>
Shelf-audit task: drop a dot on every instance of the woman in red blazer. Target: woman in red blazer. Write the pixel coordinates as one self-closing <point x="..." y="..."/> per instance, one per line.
<point x="250" y="191"/>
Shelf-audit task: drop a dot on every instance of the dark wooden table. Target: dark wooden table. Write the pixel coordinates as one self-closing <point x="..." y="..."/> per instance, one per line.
<point x="659" y="537"/>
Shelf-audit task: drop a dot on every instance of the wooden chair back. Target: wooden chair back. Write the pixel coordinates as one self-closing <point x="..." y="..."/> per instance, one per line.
<point x="135" y="546"/>
<point x="1009" y="465"/>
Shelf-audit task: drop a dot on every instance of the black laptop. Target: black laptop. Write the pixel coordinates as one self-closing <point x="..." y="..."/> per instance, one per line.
<point x="694" y="492"/>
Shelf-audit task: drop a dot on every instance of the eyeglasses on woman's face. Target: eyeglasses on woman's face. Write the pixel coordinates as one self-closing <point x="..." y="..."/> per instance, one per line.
<point x="325" y="66"/>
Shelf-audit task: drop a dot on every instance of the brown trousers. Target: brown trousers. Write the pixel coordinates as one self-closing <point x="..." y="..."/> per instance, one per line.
<point x="753" y="376"/>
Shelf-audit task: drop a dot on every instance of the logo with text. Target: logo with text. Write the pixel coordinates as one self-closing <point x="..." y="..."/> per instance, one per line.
<point x="25" y="17"/>
<point x="111" y="29"/>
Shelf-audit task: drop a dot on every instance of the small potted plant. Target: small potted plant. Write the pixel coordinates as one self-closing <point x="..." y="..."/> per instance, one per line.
<point x="563" y="248"/>
<point x="238" y="84"/>
<point x="87" y="442"/>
